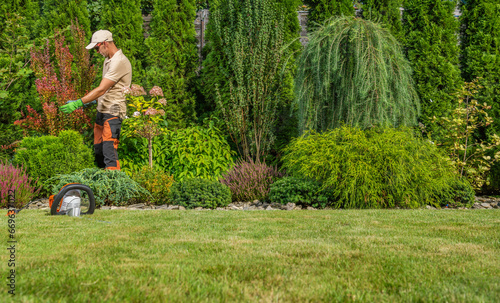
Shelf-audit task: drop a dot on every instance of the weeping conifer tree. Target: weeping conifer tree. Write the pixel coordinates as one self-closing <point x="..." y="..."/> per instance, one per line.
<point x="353" y="72"/>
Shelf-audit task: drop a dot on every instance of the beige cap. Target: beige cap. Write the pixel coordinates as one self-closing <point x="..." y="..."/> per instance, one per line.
<point x="100" y="36"/>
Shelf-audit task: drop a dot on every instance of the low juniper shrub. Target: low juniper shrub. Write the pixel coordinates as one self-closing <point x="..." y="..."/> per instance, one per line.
<point x="15" y="179"/>
<point x="197" y="192"/>
<point x="110" y="187"/>
<point x="300" y="191"/>
<point x="249" y="180"/>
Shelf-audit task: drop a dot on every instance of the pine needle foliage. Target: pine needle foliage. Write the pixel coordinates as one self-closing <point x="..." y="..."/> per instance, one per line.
<point x="353" y="72"/>
<point x="173" y="55"/>
<point x="322" y="10"/>
<point x="110" y="187"/>
<point x="480" y="45"/>
<point x="431" y="46"/>
<point x="386" y="12"/>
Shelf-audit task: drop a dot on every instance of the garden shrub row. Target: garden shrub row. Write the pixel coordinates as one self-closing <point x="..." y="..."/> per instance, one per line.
<point x="342" y="168"/>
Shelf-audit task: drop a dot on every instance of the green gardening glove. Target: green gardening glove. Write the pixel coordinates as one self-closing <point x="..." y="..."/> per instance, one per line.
<point x="71" y="106"/>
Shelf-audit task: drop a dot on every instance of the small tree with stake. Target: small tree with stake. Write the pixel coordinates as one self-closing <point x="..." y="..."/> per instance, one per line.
<point x="148" y="118"/>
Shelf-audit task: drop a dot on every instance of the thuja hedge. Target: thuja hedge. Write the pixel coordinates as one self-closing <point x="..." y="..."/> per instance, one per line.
<point x="386" y="12"/>
<point x="321" y="10"/>
<point x="480" y="44"/>
<point x="173" y="56"/>
<point x="376" y="168"/>
<point x="431" y="45"/>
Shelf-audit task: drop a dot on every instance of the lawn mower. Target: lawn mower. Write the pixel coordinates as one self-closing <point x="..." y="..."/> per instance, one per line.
<point x="74" y="199"/>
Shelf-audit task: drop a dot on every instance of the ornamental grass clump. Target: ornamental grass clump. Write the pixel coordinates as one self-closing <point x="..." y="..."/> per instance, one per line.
<point x="249" y="180"/>
<point x="15" y="179"/>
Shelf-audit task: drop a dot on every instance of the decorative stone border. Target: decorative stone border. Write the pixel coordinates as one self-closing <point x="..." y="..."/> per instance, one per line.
<point x="484" y="202"/>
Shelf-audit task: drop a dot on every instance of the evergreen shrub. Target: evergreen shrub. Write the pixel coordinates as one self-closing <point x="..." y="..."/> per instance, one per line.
<point x="123" y="18"/>
<point x="431" y="45"/>
<point x="173" y="56"/>
<point x="17" y="83"/>
<point x="300" y="191"/>
<point x="248" y="69"/>
<point x="110" y="187"/>
<point x="321" y="10"/>
<point x="57" y="14"/>
<point x="375" y="168"/>
<point x="197" y="192"/>
<point x="46" y="156"/>
<point x="249" y="180"/>
<point x="386" y="12"/>
<point x="480" y="50"/>
<point x="157" y="182"/>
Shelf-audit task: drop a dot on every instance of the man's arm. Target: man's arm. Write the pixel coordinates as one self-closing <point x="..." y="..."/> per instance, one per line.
<point x="98" y="91"/>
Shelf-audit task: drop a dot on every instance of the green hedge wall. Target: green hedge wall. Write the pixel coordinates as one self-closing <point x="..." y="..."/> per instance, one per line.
<point x="386" y="12"/>
<point x="431" y="44"/>
<point x="173" y="55"/>
<point x="123" y="18"/>
<point x="480" y="44"/>
<point x="321" y="10"/>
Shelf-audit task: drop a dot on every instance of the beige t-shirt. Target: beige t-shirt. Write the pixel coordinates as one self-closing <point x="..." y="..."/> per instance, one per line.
<point x="117" y="69"/>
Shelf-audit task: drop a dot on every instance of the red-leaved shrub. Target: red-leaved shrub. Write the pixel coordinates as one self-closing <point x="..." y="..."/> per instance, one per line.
<point x="60" y="77"/>
<point x="16" y="179"/>
<point x="249" y="180"/>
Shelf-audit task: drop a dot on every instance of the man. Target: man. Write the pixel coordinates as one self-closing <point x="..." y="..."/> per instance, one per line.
<point x="111" y="106"/>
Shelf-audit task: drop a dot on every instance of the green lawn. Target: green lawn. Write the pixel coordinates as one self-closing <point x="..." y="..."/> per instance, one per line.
<point x="257" y="256"/>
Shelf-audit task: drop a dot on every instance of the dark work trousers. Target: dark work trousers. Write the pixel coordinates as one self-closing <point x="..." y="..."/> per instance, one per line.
<point x="106" y="137"/>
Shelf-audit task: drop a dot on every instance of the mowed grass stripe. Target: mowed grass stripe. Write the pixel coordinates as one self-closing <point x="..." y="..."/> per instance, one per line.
<point x="258" y="256"/>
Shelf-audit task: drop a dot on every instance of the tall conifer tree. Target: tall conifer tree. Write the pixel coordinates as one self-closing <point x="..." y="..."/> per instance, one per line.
<point x="17" y="87"/>
<point x="60" y="13"/>
<point x="480" y="43"/>
<point x="123" y="18"/>
<point x="248" y="66"/>
<point x="173" y="55"/>
<point x="321" y="10"/>
<point x="431" y="44"/>
<point x="386" y="12"/>
<point x="27" y="9"/>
